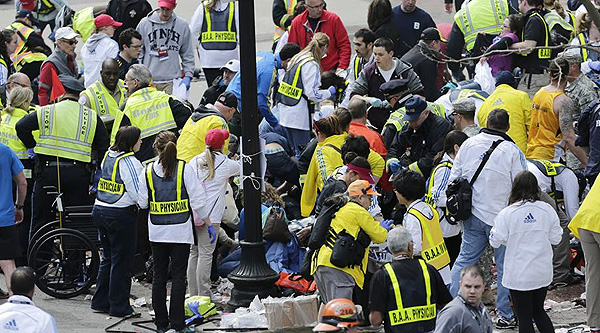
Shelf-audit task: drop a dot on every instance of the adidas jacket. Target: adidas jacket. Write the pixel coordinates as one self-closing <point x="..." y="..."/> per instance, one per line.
<point x="528" y="229"/>
<point x="19" y="314"/>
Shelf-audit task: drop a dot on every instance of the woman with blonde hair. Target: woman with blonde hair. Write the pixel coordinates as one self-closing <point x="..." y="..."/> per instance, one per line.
<point x="213" y="169"/>
<point x="163" y="187"/>
<point x="300" y="90"/>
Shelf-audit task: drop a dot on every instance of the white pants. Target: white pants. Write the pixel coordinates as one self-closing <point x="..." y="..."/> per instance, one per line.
<point x="200" y="263"/>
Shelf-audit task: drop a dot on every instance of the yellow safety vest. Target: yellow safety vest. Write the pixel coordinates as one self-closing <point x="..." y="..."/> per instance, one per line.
<point x="46" y="7"/>
<point x="543" y="53"/>
<point x="481" y="16"/>
<point x="83" y="23"/>
<point x="289" y="6"/>
<point x="217" y="34"/>
<point x="396" y="119"/>
<point x="430" y="183"/>
<point x="552" y="19"/>
<point x="22" y="54"/>
<point x="583" y="42"/>
<point x="291" y="86"/>
<point x="8" y="135"/>
<point x="405" y="315"/>
<point x="110" y="186"/>
<point x="101" y="99"/>
<point x="433" y="248"/>
<point x="71" y="138"/>
<point x="169" y="202"/>
<point x="149" y="110"/>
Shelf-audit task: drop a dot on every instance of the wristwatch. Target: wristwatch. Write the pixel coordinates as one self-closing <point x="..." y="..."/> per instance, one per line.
<point x="19" y="207"/>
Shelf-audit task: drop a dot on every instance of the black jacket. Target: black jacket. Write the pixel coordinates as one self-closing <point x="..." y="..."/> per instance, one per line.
<point x="424" y="143"/>
<point x="129" y="12"/>
<point x="425" y="68"/>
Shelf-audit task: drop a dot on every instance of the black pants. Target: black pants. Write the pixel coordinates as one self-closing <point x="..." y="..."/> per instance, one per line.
<point x="74" y="184"/>
<point x="453" y="246"/>
<point x="529" y="307"/>
<point x="23" y="227"/>
<point x="178" y="253"/>
<point x="211" y="74"/>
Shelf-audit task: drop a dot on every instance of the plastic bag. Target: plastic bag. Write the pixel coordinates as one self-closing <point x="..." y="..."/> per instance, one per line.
<point x="179" y="90"/>
<point x="483" y="76"/>
<point x="301" y="311"/>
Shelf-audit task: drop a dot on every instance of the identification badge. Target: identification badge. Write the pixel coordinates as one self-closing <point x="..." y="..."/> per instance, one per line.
<point x="163" y="53"/>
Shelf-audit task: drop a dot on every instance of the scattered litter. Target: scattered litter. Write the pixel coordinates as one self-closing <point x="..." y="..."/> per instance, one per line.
<point x="140" y="302"/>
<point x="252" y="317"/>
<point x="576" y="329"/>
<point x="88" y="297"/>
<point x="225" y="287"/>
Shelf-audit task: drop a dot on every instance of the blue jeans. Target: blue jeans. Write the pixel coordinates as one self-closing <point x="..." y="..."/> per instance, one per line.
<point x="117" y="229"/>
<point x="475" y="239"/>
<point x="298" y="139"/>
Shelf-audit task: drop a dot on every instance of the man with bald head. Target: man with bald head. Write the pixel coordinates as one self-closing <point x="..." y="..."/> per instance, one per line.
<point x="107" y="95"/>
<point x="17" y="79"/>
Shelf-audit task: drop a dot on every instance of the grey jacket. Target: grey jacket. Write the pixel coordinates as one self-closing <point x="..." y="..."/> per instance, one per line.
<point x="173" y="34"/>
<point x="460" y="317"/>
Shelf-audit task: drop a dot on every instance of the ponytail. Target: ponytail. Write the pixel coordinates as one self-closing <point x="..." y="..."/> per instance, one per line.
<point x="210" y="162"/>
<point x="315" y="47"/>
<point x="165" y="146"/>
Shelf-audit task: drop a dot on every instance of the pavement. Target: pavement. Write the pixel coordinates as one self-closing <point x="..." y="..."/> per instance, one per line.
<point x="75" y="315"/>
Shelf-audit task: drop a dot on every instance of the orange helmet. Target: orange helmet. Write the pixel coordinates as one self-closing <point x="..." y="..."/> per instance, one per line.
<point x="338" y="315"/>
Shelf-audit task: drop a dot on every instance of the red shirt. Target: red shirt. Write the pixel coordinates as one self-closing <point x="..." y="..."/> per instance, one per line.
<point x="339" y="52"/>
<point x="375" y="140"/>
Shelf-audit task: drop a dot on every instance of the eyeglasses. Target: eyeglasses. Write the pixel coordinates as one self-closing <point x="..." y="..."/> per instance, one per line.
<point x="137" y="47"/>
<point x="19" y="84"/>
<point x="70" y="42"/>
<point x="317" y="6"/>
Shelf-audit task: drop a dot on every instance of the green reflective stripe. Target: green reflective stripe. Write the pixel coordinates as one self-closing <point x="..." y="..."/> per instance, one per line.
<point x="157" y="129"/>
<point x="22" y="155"/>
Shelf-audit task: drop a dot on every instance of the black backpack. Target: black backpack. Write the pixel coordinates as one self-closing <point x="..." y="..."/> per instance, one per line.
<point x="460" y="192"/>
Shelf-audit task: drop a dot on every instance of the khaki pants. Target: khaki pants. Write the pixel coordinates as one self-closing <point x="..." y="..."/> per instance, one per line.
<point x="590" y="242"/>
<point x="200" y="263"/>
<point x="166" y="87"/>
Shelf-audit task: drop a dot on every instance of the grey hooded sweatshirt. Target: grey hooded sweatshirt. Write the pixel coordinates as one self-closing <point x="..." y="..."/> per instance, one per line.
<point x="173" y="36"/>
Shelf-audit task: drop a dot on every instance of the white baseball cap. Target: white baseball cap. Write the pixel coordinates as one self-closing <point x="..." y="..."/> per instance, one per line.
<point x="65" y="33"/>
<point x="232" y="65"/>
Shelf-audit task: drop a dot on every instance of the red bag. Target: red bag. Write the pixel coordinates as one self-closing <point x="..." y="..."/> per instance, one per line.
<point x="296" y="282"/>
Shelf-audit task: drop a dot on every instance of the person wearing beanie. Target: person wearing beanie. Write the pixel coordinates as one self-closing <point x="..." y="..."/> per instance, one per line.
<point x="516" y="102"/>
<point x="99" y="47"/>
<point x="266" y="62"/>
<point x="214" y="170"/>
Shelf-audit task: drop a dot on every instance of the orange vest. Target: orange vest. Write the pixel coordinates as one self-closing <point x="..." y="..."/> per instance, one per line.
<point x="544" y="130"/>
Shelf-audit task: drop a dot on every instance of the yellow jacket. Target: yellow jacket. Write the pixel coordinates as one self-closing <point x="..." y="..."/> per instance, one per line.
<point x="323" y="163"/>
<point x="352" y="217"/>
<point x="588" y="215"/>
<point x="518" y="105"/>
<point x="191" y="140"/>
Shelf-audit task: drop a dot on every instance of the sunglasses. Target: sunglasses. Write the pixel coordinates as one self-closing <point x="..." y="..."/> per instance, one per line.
<point x="70" y="42"/>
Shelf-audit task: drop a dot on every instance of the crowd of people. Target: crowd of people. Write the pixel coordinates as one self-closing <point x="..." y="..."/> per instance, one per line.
<point x="411" y="183"/>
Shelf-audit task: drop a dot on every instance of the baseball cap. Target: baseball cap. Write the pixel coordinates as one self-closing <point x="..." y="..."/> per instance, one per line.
<point x="228" y="99"/>
<point x="393" y="87"/>
<point x="360" y="187"/>
<point x="104" y="20"/>
<point x="363" y="173"/>
<point x="232" y="65"/>
<point x="505" y="77"/>
<point x="27" y="4"/>
<point x="215" y="138"/>
<point x="414" y="106"/>
<point x="24" y="13"/>
<point x="463" y="105"/>
<point x="167" y="3"/>
<point x="65" y="33"/>
<point x="432" y="34"/>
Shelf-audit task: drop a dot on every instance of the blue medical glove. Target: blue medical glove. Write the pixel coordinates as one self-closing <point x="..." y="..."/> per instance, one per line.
<point x="212" y="235"/>
<point x="194" y="308"/>
<point x="30" y="153"/>
<point x="187" y="81"/>
<point x="385" y="104"/>
<point x="395" y="166"/>
<point x="387" y="224"/>
<point x="376" y="102"/>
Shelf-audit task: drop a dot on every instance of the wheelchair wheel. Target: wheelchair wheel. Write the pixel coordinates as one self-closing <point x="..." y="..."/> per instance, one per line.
<point x="66" y="263"/>
<point x="39" y="233"/>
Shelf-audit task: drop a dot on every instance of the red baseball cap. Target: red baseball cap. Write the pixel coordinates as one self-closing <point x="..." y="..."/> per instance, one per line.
<point x="215" y="138"/>
<point x="27" y="4"/>
<point x="104" y="20"/>
<point x="167" y="3"/>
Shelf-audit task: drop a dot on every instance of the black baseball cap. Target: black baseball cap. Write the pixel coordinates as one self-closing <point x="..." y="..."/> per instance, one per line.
<point x="393" y="87"/>
<point x="432" y="34"/>
<point x="24" y="13"/>
<point x="229" y="100"/>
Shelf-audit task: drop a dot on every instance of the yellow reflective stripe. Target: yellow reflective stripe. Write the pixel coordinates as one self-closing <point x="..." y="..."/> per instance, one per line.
<point x="179" y="179"/>
<point x="426" y="230"/>
<point x="544" y="53"/>
<point x="169" y="207"/>
<point x="297" y="74"/>
<point x="584" y="53"/>
<point x="427" y="281"/>
<point x="292" y="90"/>
<point x="231" y="12"/>
<point x="114" y="172"/>
<point x="208" y="21"/>
<point x="356" y="65"/>
<point x="150" y="181"/>
<point x="28" y="174"/>
<point x="395" y="285"/>
<point x="429" y="195"/>
<point x="550" y="167"/>
<point x="415" y="167"/>
<point x="158" y="128"/>
<point x="110" y="186"/>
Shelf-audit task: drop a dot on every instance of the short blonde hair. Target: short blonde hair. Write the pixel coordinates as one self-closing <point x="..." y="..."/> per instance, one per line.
<point x="19" y="97"/>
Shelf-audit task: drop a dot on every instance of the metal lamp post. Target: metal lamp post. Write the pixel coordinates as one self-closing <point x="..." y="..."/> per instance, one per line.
<point x="253" y="276"/>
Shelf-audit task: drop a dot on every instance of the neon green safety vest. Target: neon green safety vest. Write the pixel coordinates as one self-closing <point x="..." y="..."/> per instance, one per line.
<point x="169" y="201"/>
<point x="291" y="86"/>
<point x="405" y="315"/>
<point x="289" y="7"/>
<point x="8" y="135"/>
<point x="45" y="7"/>
<point x="149" y="110"/>
<point x="582" y="42"/>
<point x="433" y="247"/>
<point x="67" y="130"/>
<point x="219" y="31"/>
<point x="101" y="99"/>
<point x="22" y="54"/>
<point x="83" y="23"/>
<point x="481" y="16"/>
<point x="552" y="19"/>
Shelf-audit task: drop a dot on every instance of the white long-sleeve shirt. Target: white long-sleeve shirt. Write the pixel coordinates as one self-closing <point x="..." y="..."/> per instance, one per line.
<point x="130" y="169"/>
<point x="413" y="225"/>
<point x="566" y="182"/>
<point x="214" y="58"/>
<point x="492" y="187"/>
<point x="174" y="233"/>
<point x="528" y="229"/>
<point x="297" y="116"/>
<point x="441" y="179"/>
<point x="215" y="188"/>
<point x="19" y="314"/>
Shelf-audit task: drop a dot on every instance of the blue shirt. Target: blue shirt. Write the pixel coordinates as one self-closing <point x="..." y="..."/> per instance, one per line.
<point x="409" y="27"/>
<point x="265" y="66"/>
<point x="10" y="166"/>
